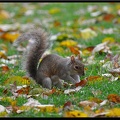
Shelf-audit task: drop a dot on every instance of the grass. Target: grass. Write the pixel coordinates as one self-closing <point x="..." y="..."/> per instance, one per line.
<point x="69" y="12"/>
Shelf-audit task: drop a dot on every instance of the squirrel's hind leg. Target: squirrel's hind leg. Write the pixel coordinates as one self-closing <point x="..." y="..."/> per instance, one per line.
<point x="56" y="81"/>
<point x="47" y="83"/>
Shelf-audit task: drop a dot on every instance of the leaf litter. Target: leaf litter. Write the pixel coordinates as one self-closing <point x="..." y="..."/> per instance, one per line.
<point x="66" y="43"/>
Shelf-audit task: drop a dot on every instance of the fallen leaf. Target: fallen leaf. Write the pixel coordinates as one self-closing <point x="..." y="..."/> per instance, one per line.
<point x="108" y="17"/>
<point x="3" y="47"/>
<point x="49" y="92"/>
<point x="115" y="72"/>
<point x="14" y="106"/>
<point x="62" y="37"/>
<point x="23" y="90"/>
<point x="11" y="37"/>
<point x="5" y="69"/>
<point x="74" y="50"/>
<point x="48" y="108"/>
<point x="67" y="105"/>
<point x="68" y="91"/>
<point x="74" y="113"/>
<point x="96" y="92"/>
<point x="19" y="80"/>
<point x="4" y="15"/>
<point x="101" y="47"/>
<point x="68" y="43"/>
<point x="2" y="108"/>
<point x="94" y="78"/>
<point x="96" y="100"/>
<point x="5" y="91"/>
<point x="108" y="39"/>
<point x="114" y="98"/>
<point x="32" y="102"/>
<point x="57" y="23"/>
<point x="88" y="33"/>
<point x="82" y="83"/>
<point x="2" y="55"/>
<point x="54" y="10"/>
<point x="110" y="77"/>
<point x="114" y="112"/>
<point x="90" y="104"/>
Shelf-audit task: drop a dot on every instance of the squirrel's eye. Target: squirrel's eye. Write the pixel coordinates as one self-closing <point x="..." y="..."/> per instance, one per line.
<point x="76" y="67"/>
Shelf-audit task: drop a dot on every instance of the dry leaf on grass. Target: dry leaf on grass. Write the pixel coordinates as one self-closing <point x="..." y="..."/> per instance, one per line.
<point x="114" y="98"/>
<point x="74" y="114"/>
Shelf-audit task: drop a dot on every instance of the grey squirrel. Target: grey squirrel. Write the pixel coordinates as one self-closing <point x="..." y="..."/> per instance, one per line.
<point x="53" y="68"/>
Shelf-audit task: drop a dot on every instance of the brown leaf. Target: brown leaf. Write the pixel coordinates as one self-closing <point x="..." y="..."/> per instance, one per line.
<point x="88" y="50"/>
<point x="50" y="92"/>
<point x="109" y="56"/>
<point x="81" y="83"/>
<point x="93" y="78"/>
<point x="67" y="105"/>
<point x="5" y="69"/>
<point x="115" y="58"/>
<point x="114" y="98"/>
<point x="2" y="55"/>
<point x="5" y="91"/>
<point x="116" y="65"/>
<point x="14" y="106"/>
<point x="108" y="17"/>
<point x="96" y="100"/>
<point x="57" y="23"/>
<point x="24" y="90"/>
<point x="74" y="50"/>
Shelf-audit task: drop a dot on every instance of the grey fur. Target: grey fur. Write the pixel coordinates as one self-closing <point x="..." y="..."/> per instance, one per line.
<point x="53" y="68"/>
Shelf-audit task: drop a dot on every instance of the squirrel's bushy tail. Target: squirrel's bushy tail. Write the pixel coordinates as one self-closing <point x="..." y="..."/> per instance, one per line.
<point x="36" y="49"/>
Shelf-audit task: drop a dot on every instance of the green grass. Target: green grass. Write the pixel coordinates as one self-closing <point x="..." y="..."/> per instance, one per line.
<point x="67" y="13"/>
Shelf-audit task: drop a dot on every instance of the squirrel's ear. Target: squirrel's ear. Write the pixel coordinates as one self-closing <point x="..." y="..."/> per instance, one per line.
<point x="79" y="57"/>
<point x="72" y="59"/>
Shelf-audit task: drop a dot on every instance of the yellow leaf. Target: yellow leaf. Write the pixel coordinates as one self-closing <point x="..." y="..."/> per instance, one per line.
<point x="87" y="51"/>
<point x="19" y="80"/>
<point x="4" y="15"/>
<point x="11" y="37"/>
<point x="54" y="10"/>
<point x="25" y="108"/>
<point x="13" y="103"/>
<point x="118" y="6"/>
<point x="75" y="113"/>
<point x="59" y="49"/>
<point x="2" y="55"/>
<point x="48" y="108"/>
<point x="3" y="114"/>
<point x="114" y="112"/>
<point x="3" y="47"/>
<point x="108" y="39"/>
<point x="68" y="43"/>
<point x="7" y="99"/>
<point x="62" y="37"/>
<point x="88" y="33"/>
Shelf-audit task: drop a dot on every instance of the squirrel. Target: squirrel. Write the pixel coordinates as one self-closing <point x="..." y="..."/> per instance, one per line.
<point x="53" y="69"/>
